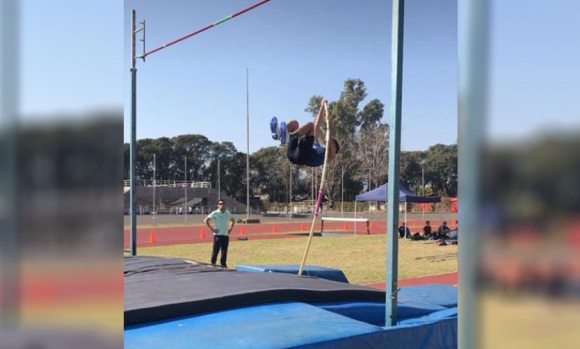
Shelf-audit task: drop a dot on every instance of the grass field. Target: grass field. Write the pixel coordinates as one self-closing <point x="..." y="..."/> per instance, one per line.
<point x="362" y="258"/>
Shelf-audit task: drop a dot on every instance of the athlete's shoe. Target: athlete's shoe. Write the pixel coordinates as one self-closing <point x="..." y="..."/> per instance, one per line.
<point x="282" y="134"/>
<point x="274" y="128"/>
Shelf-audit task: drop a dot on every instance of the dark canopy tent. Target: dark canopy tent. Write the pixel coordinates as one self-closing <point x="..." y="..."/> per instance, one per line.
<point x="405" y="195"/>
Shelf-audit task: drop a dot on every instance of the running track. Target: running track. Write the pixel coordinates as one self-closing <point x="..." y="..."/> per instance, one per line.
<point x="162" y="236"/>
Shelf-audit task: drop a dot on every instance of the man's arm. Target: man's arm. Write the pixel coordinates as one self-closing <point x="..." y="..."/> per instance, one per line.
<point x="233" y="221"/>
<point x="318" y="121"/>
<point x="206" y="221"/>
<point x="332" y="147"/>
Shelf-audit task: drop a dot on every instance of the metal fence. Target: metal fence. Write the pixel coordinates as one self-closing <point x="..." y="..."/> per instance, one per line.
<point x="166" y="183"/>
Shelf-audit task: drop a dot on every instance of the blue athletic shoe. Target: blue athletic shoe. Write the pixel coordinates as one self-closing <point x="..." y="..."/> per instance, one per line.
<point x="283" y="132"/>
<point x="274" y="128"/>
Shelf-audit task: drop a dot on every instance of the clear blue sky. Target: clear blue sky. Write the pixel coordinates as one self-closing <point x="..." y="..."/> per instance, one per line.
<point x="70" y="57"/>
<point x="74" y="59"/>
<point x="534" y="68"/>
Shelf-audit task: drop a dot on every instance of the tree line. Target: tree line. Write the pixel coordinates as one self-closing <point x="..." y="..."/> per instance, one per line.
<point x="360" y="165"/>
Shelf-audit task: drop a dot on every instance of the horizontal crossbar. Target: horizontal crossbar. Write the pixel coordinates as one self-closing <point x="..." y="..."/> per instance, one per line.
<point x="340" y="219"/>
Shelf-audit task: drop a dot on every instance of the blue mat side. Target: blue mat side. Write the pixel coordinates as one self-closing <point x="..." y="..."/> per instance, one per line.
<point x="438" y="315"/>
<point x="439" y="334"/>
<point x="439" y="294"/>
<point x="413" y="302"/>
<point x="309" y="270"/>
<point x="374" y="312"/>
<point x="281" y="325"/>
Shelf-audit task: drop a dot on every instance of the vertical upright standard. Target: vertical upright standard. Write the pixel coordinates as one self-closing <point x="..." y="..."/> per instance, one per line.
<point x="10" y="289"/>
<point x="132" y="151"/>
<point x="473" y="49"/>
<point x="394" y="171"/>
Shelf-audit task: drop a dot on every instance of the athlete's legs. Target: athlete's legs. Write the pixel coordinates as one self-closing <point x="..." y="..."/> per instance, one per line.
<point x="292" y="126"/>
<point x="307" y="129"/>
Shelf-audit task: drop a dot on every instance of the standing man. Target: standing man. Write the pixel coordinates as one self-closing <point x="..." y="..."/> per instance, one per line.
<point x="223" y="223"/>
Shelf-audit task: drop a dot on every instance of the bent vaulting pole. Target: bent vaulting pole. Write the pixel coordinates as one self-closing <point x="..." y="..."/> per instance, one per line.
<point x="204" y="28"/>
<point x="319" y="199"/>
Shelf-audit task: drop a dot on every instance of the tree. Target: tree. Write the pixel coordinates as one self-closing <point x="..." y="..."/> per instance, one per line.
<point x="232" y="166"/>
<point x="144" y="159"/>
<point x="198" y="150"/>
<point x="413" y="170"/>
<point x="353" y="93"/>
<point x="372" y="150"/>
<point x="266" y="165"/>
<point x="372" y="114"/>
<point x="441" y="169"/>
<point x="166" y="161"/>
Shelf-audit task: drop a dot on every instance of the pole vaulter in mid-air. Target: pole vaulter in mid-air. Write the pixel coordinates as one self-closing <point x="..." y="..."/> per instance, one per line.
<point x="303" y="148"/>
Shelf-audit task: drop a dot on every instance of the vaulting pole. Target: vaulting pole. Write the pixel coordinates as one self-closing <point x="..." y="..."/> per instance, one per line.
<point x="319" y="199"/>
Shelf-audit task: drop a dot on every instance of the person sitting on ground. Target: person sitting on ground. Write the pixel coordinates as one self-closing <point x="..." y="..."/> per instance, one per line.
<point x="442" y="231"/>
<point x="427" y="230"/>
<point x="451" y="239"/>
<point x="454" y="234"/>
<point x="447" y="235"/>
<point x="404" y="231"/>
<point x="303" y="147"/>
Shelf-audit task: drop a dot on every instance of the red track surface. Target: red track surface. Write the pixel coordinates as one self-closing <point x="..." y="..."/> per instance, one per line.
<point x="199" y="233"/>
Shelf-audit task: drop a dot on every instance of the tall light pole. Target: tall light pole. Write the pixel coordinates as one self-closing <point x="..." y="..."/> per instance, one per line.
<point x="154" y="213"/>
<point x="290" y="192"/>
<point x="185" y="191"/>
<point x="422" y="181"/>
<point x="219" y="182"/>
<point x="342" y="193"/>
<point x="422" y="192"/>
<point x="312" y="187"/>
<point x="247" y="144"/>
<point x="422" y="164"/>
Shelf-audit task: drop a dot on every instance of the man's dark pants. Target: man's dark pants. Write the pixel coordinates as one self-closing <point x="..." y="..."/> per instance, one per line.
<point x="220" y="242"/>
